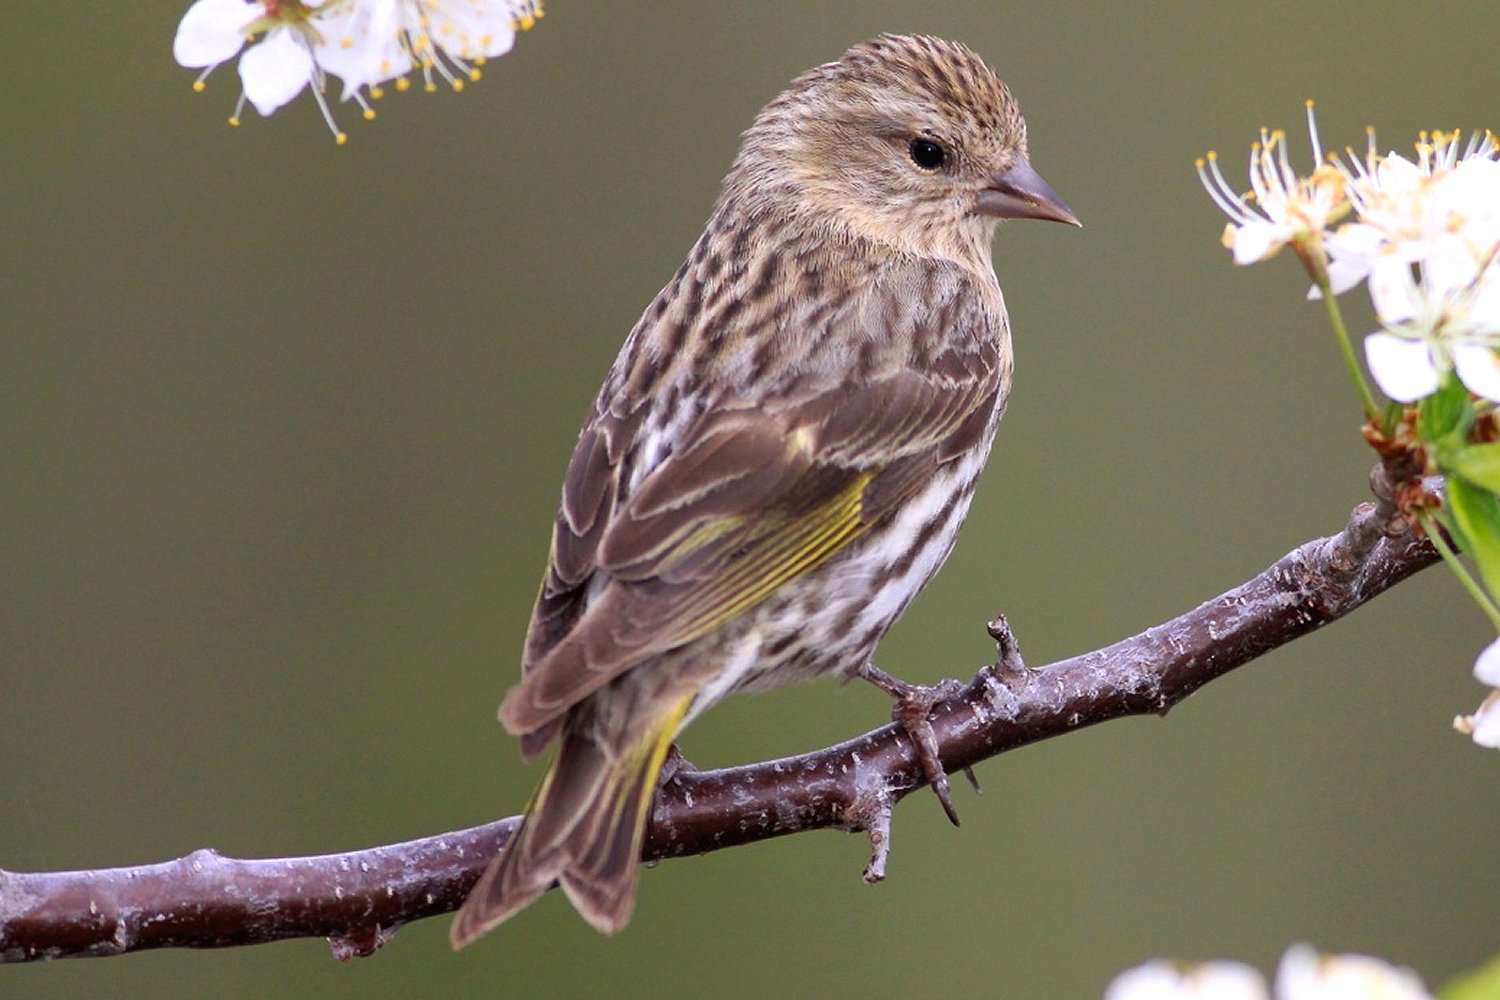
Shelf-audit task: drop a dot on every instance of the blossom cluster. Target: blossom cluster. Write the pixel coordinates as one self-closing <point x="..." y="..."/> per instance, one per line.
<point x="1302" y="975"/>
<point x="285" y="46"/>
<point x="1422" y="233"/>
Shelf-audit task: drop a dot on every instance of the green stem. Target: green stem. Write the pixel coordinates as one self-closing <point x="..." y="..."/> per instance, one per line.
<point x="1434" y="532"/>
<point x="1336" y="317"/>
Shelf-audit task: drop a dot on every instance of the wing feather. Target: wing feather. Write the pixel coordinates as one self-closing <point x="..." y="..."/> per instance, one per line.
<point x="751" y="499"/>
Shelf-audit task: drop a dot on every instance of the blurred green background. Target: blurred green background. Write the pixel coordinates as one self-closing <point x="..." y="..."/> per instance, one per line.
<point x="283" y="426"/>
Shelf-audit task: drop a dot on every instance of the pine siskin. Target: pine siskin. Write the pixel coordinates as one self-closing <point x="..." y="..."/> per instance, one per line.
<point x="782" y="454"/>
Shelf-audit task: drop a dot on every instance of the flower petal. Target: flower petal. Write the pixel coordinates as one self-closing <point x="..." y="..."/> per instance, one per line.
<point x="1306" y="975"/>
<point x="1396" y="174"/>
<point x="1448" y="268"/>
<point x="1484" y="724"/>
<point x="1210" y="981"/>
<point x="1152" y="981"/>
<point x="362" y="45"/>
<point x="1487" y="666"/>
<point x="1403" y="368"/>
<point x="1343" y="274"/>
<point x="469" y="30"/>
<point x="212" y="31"/>
<point x="1356" y="239"/>
<point x="276" y="70"/>
<point x="1478" y="368"/>
<point x="1255" y="241"/>
<point x="1484" y="305"/>
<point x="1393" y="291"/>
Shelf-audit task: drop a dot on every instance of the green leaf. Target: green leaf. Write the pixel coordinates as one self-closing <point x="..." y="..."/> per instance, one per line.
<point x="1477" y="512"/>
<point x="1481" y="984"/>
<point x="1445" y="411"/>
<point x="1479" y="464"/>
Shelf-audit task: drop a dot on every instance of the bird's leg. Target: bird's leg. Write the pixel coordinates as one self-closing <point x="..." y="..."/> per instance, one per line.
<point x="674" y="765"/>
<point x="914" y="702"/>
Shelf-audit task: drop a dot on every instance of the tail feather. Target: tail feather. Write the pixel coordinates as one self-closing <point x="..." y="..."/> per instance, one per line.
<point x="583" y="830"/>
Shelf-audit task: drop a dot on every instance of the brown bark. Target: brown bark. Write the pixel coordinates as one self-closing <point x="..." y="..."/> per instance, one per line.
<point x="358" y="900"/>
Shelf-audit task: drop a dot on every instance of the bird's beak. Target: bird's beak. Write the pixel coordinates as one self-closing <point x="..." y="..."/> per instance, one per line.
<point x="1020" y="193"/>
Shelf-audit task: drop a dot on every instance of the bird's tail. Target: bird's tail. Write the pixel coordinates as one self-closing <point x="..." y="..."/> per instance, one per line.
<point x="583" y="829"/>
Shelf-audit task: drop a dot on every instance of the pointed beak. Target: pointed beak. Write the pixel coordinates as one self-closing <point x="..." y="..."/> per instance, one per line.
<point x="1020" y="193"/>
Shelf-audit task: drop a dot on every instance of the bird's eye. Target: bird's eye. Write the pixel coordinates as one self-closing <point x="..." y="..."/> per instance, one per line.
<point x="927" y="154"/>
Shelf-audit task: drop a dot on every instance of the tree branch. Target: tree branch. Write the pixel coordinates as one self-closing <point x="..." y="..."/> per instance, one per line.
<point x="359" y="899"/>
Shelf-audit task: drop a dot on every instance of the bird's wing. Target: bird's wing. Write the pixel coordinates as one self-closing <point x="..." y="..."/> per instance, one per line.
<point x="751" y="500"/>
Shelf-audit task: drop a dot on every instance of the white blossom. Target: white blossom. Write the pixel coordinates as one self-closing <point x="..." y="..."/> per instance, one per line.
<point x="286" y="45"/>
<point x="1427" y="237"/>
<point x="275" y="67"/>
<point x="1484" y="724"/>
<point x="1209" y="981"/>
<point x="1302" y="975"/>
<point x="1306" y="975"/>
<point x="1281" y="207"/>
<point x="371" y="42"/>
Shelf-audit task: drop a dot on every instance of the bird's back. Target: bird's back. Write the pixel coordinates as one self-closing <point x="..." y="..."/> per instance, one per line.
<point x="812" y="337"/>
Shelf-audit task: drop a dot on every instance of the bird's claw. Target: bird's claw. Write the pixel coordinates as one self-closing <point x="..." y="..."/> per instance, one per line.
<point x="914" y="703"/>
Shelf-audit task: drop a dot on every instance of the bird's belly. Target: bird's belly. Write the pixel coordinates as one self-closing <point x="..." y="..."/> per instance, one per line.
<point x="830" y="621"/>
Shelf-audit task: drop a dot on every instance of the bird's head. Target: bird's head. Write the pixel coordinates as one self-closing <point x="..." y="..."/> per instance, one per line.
<point x="908" y="140"/>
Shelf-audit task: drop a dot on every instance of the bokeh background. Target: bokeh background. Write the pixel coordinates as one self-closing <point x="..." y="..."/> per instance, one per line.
<point x="283" y="425"/>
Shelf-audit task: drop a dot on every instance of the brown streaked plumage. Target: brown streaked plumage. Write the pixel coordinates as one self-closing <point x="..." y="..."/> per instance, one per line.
<point x="782" y="453"/>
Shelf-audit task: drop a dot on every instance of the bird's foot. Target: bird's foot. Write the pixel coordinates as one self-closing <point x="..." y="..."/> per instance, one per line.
<point x="674" y="765"/>
<point x="914" y="703"/>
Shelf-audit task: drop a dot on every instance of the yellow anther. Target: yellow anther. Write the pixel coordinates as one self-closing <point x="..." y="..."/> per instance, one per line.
<point x="341" y="138"/>
<point x="540" y="13"/>
<point x="430" y="87"/>
<point x="1198" y="163"/>
<point x="481" y="60"/>
<point x="369" y="114"/>
<point x="1311" y="103"/>
<point x="1212" y="155"/>
<point x="527" y="22"/>
<point x="377" y="92"/>
<point x="234" y="121"/>
<point x="199" y="86"/>
<point x="458" y="86"/>
<point x="475" y="75"/>
<point x="402" y="83"/>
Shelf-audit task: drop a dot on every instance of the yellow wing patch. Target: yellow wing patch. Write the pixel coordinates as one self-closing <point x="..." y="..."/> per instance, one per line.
<point x="793" y="548"/>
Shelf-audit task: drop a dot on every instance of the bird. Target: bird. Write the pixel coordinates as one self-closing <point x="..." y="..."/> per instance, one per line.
<point x="781" y="455"/>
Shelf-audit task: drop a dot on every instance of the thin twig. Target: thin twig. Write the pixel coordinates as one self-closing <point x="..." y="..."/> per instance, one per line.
<point x="359" y="899"/>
